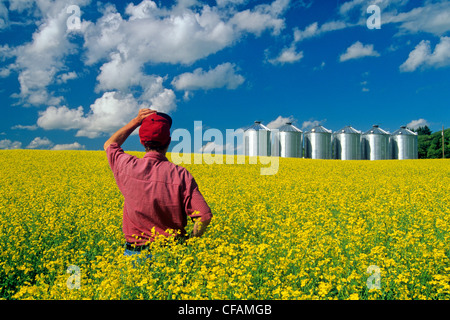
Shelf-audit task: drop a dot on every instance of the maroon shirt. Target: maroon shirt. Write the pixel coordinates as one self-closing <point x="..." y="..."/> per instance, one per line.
<point x="157" y="194"/>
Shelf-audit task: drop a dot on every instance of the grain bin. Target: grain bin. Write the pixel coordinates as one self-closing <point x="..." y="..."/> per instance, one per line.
<point x="318" y="143"/>
<point x="346" y="144"/>
<point x="375" y="144"/>
<point x="257" y="140"/>
<point x="288" y="142"/>
<point x="404" y="144"/>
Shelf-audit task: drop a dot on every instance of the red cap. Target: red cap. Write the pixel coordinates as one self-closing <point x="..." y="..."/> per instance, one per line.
<point x="156" y="128"/>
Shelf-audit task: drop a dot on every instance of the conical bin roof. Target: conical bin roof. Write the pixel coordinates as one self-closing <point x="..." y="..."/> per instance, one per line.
<point x="258" y="126"/>
<point x="289" y="127"/>
<point x="404" y="131"/>
<point x="348" y="129"/>
<point x="319" y="129"/>
<point x="376" y="130"/>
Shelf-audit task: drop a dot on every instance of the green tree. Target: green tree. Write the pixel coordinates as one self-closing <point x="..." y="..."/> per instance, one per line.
<point x="424" y="142"/>
<point x="423" y="131"/>
<point x="434" y="150"/>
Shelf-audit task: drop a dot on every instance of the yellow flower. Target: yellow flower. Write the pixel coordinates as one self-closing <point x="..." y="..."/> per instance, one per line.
<point x="308" y="232"/>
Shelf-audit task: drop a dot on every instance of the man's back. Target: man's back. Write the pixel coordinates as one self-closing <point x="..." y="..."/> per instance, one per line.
<point x="158" y="195"/>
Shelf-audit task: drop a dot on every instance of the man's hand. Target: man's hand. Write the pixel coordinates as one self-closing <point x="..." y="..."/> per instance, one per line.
<point x="200" y="227"/>
<point x="122" y="134"/>
<point x="143" y="113"/>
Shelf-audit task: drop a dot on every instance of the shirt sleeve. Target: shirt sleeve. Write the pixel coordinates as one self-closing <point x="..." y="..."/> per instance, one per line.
<point x="195" y="204"/>
<point x="116" y="157"/>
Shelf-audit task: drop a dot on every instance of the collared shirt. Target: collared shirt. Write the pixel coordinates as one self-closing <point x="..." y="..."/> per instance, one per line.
<point x="158" y="195"/>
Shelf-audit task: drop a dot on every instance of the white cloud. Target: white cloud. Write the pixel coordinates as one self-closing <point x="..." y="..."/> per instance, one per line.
<point x="415" y="124"/>
<point x="290" y="54"/>
<point x="119" y="73"/>
<point x="4" y="20"/>
<point x="287" y="55"/>
<point x="223" y="3"/>
<point x="222" y="76"/>
<point x="8" y="144"/>
<point x="159" y="35"/>
<point x="280" y="121"/>
<point x="39" y="60"/>
<point x="106" y="115"/>
<point x="21" y="127"/>
<point x="261" y="18"/>
<point x="64" y="77"/>
<point x="5" y="72"/>
<point x="422" y="56"/>
<point x="123" y="72"/>
<point x="313" y="30"/>
<point x="309" y="124"/>
<point x="40" y="143"/>
<point x="20" y="5"/>
<point x="6" y="52"/>
<point x="182" y="34"/>
<point x="433" y="18"/>
<point x="177" y="36"/>
<point x="358" y="50"/>
<point x="123" y="45"/>
<point x="45" y="143"/>
<point x="70" y="146"/>
<point x="347" y="6"/>
<point x="61" y="118"/>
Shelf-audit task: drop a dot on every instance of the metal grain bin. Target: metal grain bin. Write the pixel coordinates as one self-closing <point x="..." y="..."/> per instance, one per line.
<point x="288" y="142"/>
<point x="318" y="143"/>
<point x="404" y="144"/>
<point x="375" y="144"/>
<point x="346" y="144"/>
<point x="257" y="140"/>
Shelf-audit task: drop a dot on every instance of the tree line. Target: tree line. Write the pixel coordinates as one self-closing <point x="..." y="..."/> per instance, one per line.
<point x="430" y="144"/>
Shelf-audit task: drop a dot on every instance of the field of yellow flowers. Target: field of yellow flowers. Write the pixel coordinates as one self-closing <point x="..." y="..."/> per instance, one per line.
<point x="311" y="231"/>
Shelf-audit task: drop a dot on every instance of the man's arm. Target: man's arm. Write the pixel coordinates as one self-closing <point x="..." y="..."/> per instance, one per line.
<point x="123" y="133"/>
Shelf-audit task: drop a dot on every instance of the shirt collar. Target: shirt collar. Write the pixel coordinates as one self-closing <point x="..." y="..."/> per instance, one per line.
<point x="155" y="155"/>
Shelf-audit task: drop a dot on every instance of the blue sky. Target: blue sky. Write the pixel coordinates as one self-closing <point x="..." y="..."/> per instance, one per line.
<point x="69" y="84"/>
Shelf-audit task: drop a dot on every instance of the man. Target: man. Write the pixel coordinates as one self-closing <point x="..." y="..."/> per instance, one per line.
<point x="158" y="195"/>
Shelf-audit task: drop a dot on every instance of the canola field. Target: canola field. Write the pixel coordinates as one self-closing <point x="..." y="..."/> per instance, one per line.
<point x="318" y="229"/>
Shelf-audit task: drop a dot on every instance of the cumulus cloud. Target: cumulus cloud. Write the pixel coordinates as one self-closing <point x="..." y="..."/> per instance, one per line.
<point x="280" y="121"/>
<point x="422" y="56"/>
<point x="358" y="50"/>
<point x="309" y="124"/>
<point x="64" y="77"/>
<point x="287" y="55"/>
<point x="45" y="143"/>
<point x="107" y="114"/>
<point x="182" y="34"/>
<point x="262" y="17"/>
<point x="222" y="76"/>
<point x="177" y="36"/>
<point x="8" y="144"/>
<point x="69" y="146"/>
<point x="415" y="124"/>
<point x="433" y="18"/>
<point x="39" y="61"/>
<point x="40" y="143"/>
